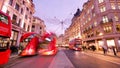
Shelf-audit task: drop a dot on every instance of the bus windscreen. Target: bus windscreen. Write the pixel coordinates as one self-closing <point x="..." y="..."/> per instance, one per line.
<point x="3" y="19"/>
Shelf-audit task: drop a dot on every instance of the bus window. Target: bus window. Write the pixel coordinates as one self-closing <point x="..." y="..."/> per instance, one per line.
<point x="4" y="44"/>
<point x="44" y="44"/>
<point x="3" y="19"/>
<point x="24" y="43"/>
<point x="48" y="45"/>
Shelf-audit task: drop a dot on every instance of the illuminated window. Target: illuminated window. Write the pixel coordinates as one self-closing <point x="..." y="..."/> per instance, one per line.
<point x="95" y="23"/>
<point x="92" y="7"/>
<point x="116" y="18"/>
<point x="100" y="1"/>
<point x="107" y="29"/>
<point x="89" y="19"/>
<point x="105" y="19"/>
<point x="113" y="5"/>
<point x="118" y="5"/>
<point x="102" y="8"/>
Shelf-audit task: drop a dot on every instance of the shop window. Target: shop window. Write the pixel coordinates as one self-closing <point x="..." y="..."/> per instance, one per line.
<point x="14" y="37"/>
<point x="110" y="42"/>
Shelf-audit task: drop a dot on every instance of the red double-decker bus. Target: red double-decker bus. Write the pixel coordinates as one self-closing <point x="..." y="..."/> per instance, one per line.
<point x="28" y="44"/>
<point x="47" y="46"/>
<point x="75" y="44"/>
<point x="5" y="33"/>
<point x="32" y="44"/>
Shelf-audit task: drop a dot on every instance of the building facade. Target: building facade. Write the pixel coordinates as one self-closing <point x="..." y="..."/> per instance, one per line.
<point x="21" y="13"/>
<point x="73" y="31"/>
<point x="100" y="23"/>
<point x="38" y="26"/>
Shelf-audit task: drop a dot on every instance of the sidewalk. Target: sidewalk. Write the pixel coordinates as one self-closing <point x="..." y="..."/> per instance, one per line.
<point x="107" y="54"/>
<point x="61" y="61"/>
<point x="110" y="57"/>
<point x="13" y="55"/>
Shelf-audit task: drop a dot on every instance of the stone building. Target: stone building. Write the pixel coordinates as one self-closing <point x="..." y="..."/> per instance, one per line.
<point x="73" y="31"/>
<point x="38" y="26"/>
<point x="100" y="23"/>
<point x="21" y="13"/>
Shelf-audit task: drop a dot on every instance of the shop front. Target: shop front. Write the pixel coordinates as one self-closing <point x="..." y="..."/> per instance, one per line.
<point x="13" y="41"/>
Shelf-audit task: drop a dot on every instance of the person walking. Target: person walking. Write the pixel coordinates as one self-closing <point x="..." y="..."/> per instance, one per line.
<point x="104" y="49"/>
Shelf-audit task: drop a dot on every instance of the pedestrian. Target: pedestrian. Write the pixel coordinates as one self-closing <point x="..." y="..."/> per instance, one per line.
<point x="104" y="49"/>
<point x="93" y="47"/>
<point x="113" y="48"/>
<point x="8" y="45"/>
